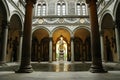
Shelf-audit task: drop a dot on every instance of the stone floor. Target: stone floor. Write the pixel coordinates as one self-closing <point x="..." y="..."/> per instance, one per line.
<point x="60" y="71"/>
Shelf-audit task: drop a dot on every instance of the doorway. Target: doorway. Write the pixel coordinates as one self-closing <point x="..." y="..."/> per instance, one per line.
<point x="61" y="49"/>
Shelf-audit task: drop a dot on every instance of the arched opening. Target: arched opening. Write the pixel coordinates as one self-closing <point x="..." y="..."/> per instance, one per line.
<point x="3" y="24"/>
<point x="14" y="38"/>
<point x="40" y="45"/>
<point x="109" y="39"/>
<point x="82" y="48"/>
<point x="61" y="45"/>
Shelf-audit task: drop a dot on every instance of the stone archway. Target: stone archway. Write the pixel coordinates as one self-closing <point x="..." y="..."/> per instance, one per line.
<point x="82" y="48"/>
<point x="40" y="45"/>
<point x="14" y="34"/>
<point x="66" y="37"/>
<point x="109" y="38"/>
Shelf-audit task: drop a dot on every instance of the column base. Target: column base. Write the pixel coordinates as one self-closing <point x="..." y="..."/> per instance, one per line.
<point x="97" y="69"/>
<point x="27" y="69"/>
<point x="3" y="64"/>
<point x="50" y="61"/>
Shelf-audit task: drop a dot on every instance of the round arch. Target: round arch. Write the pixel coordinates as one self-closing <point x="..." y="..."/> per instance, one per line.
<point x="56" y="35"/>
<point x="40" y="45"/>
<point x="109" y="38"/>
<point x="82" y="42"/>
<point x="20" y="17"/>
<point x="14" y="34"/>
<point x="40" y="27"/>
<point x="66" y="28"/>
<point x="82" y="27"/>
<point x="107" y="21"/>
<point x="61" y="31"/>
<point x="6" y="9"/>
<point x="104" y="14"/>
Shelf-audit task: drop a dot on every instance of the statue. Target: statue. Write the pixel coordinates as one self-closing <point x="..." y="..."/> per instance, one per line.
<point x="61" y="48"/>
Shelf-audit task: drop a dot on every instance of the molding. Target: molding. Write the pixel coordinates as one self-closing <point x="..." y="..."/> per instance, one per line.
<point x="15" y="6"/>
<point x="22" y="2"/>
<point x="63" y="24"/>
<point x="62" y="16"/>
<point x="105" y="7"/>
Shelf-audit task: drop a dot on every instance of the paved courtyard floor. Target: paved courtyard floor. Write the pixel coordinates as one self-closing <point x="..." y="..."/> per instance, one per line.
<point x="60" y="71"/>
<point x="84" y="75"/>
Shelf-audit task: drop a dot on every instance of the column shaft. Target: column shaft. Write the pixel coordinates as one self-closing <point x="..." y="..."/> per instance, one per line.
<point x="25" y="66"/>
<point x="20" y="48"/>
<point x="50" y="50"/>
<point x="96" y="66"/>
<point x="117" y="42"/>
<point x="4" y="44"/>
<point x="72" y="50"/>
<point x="102" y="46"/>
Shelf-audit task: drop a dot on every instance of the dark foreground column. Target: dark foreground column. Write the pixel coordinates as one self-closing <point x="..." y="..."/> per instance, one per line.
<point x="96" y="66"/>
<point x="25" y="66"/>
<point x="4" y="43"/>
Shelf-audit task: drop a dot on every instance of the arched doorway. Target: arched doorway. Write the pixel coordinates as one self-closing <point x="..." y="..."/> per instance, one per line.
<point x="3" y="24"/>
<point x="109" y="38"/>
<point x="82" y="46"/>
<point x="61" y="45"/>
<point x="14" y="38"/>
<point x="40" y="45"/>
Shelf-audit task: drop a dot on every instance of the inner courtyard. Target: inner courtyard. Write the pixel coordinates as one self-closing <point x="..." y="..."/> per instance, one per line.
<point x="61" y="37"/>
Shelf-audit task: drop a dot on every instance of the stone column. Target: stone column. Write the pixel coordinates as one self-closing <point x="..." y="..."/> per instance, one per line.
<point x="102" y="44"/>
<point x="72" y="50"/>
<point x="117" y="42"/>
<point x="4" y="43"/>
<point x="50" y="50"/>
<point x="96" y="66"/>
<point x="20" y="47"/>
<point x="25" y="66"/>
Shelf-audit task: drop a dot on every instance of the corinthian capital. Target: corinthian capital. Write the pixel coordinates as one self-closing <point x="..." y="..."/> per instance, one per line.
<point x="34" y="1"/>
<point x="88" y="1"/>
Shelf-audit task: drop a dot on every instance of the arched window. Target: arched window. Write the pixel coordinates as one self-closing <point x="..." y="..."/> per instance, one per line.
<point x="61" y="8"/>
<point x="41" y="8"/>
<point x="78" y="8"/>
<point x="83" y="9"/>
<point x="38" y="9"/>
<point x="58" y="9"/>
<point x="44" y="9"/>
